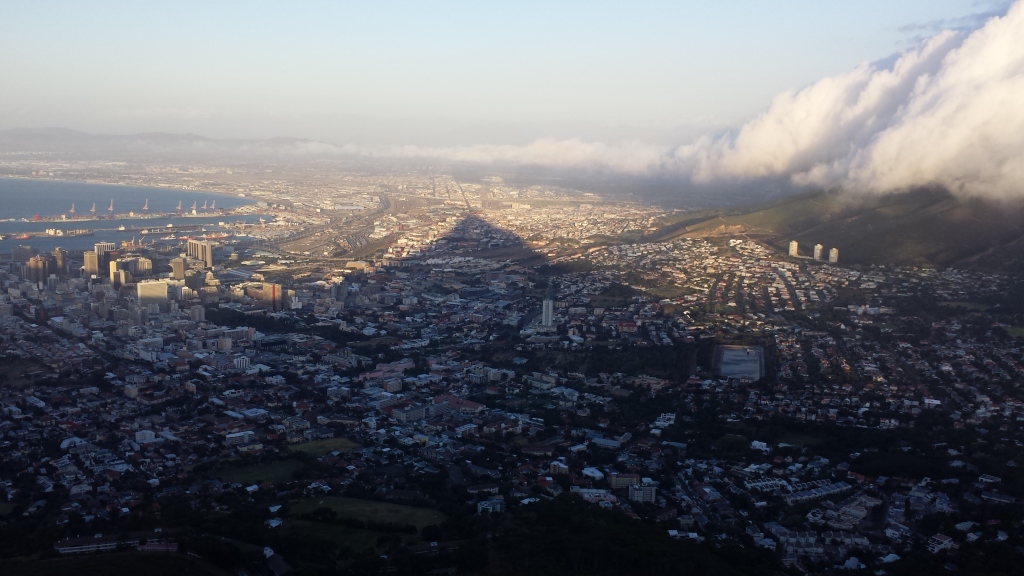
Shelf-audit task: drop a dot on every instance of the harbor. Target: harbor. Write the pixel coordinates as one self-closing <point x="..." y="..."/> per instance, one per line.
<point x="128" y="214"/>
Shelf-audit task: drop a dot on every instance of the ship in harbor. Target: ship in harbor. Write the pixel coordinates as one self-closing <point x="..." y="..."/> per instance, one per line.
<point x="130" y="244"/>
<point x="58" y="232"/>
<point x="215" y="236"/>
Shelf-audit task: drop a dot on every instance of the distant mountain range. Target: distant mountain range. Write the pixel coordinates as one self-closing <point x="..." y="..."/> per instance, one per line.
<point x="114" y="146"/>
<point x="923" y="226"/>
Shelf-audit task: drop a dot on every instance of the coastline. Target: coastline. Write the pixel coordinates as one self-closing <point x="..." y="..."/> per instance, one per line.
<point x="122" y="184"/>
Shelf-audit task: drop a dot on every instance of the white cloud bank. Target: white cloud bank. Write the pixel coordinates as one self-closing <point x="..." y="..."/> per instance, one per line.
<point x="948" y="113"/>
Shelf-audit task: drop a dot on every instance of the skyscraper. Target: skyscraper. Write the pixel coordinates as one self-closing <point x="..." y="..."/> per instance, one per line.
<point x="141" y="266"/>
<point x="833" y="256"/>
<point x="201" y="250"/>
<point x="152" y="292"/>
<point x="178" y="268"/>
<point x="37" y="269"/>
<point x="60" y="261"/>
<point x="92" y="263"/>
<point x="268" y="294"/>
<point x="818" y="249"/>
<point x="103" y="256"/>
<point x="115" y="270"/>
<point x="104" y="247"/>
<point x="548" y="318"/>
<point x="794" y="248"/>
<point x="137" y="265"/>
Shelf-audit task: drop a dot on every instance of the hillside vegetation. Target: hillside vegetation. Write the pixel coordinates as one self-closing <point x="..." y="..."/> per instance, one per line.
<point x="924" y="226"/>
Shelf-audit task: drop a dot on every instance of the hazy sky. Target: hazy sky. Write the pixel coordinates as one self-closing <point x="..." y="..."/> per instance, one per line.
<point x="438" y="73"/>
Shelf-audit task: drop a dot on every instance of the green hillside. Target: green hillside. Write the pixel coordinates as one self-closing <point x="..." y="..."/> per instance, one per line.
<point x="924" y="226"/>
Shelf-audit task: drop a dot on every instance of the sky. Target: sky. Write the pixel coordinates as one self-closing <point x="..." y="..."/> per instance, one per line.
<point x="428" y="74"/>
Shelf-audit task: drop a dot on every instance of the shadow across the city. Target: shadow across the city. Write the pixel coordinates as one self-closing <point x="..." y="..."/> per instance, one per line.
<point x="462" y="259"/>
<point x="472" y="236"/>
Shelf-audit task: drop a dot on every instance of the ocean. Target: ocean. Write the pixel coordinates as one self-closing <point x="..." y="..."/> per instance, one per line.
<point x="21" y="200"/>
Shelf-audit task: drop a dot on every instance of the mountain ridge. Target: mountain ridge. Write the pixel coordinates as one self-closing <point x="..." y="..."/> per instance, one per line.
<point x="58" y="140"/>
<point x="923" y="226"/>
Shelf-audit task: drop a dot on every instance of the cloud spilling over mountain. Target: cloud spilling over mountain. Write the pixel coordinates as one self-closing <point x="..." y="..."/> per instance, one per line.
<point x="948" y="113"/>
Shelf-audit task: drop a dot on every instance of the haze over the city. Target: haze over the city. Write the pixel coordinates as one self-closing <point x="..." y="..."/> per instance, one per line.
<point x="870" y="96"/>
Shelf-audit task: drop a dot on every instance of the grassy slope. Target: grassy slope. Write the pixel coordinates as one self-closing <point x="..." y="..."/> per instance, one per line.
<point x="916" y="227"/>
